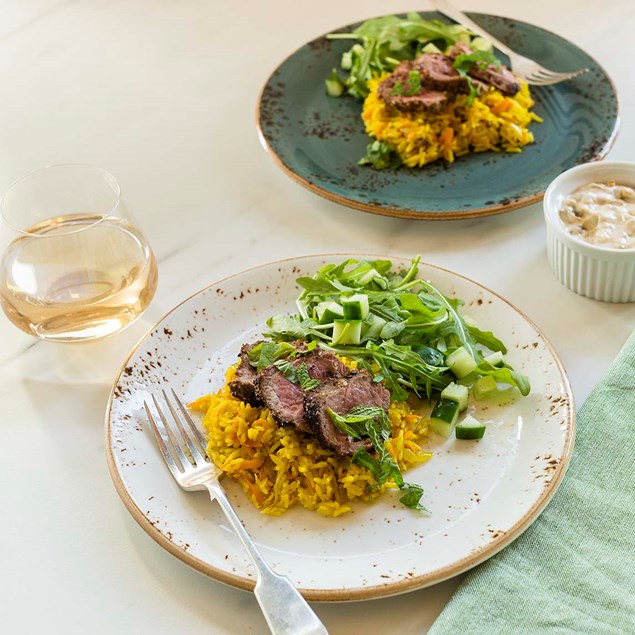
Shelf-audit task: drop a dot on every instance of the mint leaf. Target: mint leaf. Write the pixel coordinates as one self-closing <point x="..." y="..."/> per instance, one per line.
<point x="373" y="422"/>
<point x="342" y="424"/>
<point x="381" y="156"/>
<point x="465" y="62"/>
<point x="266" y="353"/>
<point x="304" y="379"/>
<point x="287" y="369"/>
<point x="412" y="86"/>
<point x="412" y="497"/>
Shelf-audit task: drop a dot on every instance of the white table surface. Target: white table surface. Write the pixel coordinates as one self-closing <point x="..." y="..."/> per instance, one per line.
<point x="162" y="93"/>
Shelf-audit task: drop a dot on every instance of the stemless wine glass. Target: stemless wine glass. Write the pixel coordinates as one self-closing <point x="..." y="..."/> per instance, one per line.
<point x="74" y="267"/>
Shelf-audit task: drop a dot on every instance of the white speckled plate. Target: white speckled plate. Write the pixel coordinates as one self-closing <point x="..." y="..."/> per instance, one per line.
<point x="482" y="495"/>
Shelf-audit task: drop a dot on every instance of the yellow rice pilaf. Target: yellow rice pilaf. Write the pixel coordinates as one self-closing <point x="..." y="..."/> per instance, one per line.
<point x="278" y="467"/>
<point x="491" y="122"/>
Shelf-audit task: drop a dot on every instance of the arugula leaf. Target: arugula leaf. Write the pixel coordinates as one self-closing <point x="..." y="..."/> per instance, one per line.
<point x="486" y="338"/>
<point x="506" y="375"/>
<point x="455" y="325"/>
<point x="381" y="156"/>
<point x="431" y="356"/>
<point x="291" y="328"/>
<point x="424" y="310"/>
<point x="392" y="330"/>
<point x="319" y="285"/>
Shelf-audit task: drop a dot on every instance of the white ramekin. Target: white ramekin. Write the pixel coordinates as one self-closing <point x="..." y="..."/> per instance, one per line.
<point x="597" y="272"/>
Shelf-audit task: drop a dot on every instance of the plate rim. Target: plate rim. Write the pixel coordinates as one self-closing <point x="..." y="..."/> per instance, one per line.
<point x="360" y="593"/>
<point x="456" y="214"/>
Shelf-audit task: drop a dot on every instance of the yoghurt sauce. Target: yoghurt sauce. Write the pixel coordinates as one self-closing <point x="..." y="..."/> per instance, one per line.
<point x="602" y="214"/>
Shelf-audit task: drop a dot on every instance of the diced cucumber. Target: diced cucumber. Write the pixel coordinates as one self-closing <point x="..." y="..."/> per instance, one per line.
<point x="495" y="359"/>
<point x="469" y="428"/>
<point x="347" y="61"/>
<point x="484" y="387"/>
<point x="460" y="362"/>
<point x="456" y="392"/>
<point x="347" y="331"/>
<point x="444" y="416"/>
<point x="372" y="275"/>
<point x="431" y="48"/>
<point x="355" y="306"/>
<point x="327" y="312"/>
<point x="334" y="85"/>
<point x="372" y="326"/>
<point x="480" y="44"/>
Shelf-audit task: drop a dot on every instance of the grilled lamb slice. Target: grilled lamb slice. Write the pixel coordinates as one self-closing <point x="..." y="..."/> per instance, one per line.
<point x="340" y="395"/>
<point x="322" y="364"/>
<point x="439" y="75"/>
<point x="243" y="386"/>
<point x="425" y="100"/>
<point x="501" y="78"/>
<point x="460" y="48"/>
<point x="284" y="398"/>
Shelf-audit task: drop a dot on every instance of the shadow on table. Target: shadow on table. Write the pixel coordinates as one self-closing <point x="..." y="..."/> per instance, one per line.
<point x="93" y="362"/>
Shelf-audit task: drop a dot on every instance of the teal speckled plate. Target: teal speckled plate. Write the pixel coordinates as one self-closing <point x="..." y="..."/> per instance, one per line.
<point x="317" y="140"/>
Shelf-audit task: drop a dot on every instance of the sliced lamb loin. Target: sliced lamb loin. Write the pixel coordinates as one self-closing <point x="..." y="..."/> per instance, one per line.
<point x="460" y="48"/>
<point x="322" y="364"/>
<point x="501" y="78"/>
<point x="425" y="100"/>
<point x="243" y="386"/>
<point x="439" y="75"/>
<point x="284" y="398"/>
<point x="340" y="395"/>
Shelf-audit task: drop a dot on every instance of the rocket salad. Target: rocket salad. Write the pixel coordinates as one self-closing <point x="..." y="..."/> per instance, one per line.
<point x="398" y="326"/>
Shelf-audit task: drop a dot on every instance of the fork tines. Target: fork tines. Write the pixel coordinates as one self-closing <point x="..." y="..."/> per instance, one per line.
<point x="179" y="455"/>
<point x="543" y="77"/>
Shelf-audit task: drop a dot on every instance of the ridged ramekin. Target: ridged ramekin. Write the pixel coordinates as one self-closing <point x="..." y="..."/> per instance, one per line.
<point x="600" y="273"/>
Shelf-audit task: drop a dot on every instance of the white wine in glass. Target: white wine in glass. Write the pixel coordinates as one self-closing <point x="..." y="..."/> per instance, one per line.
<point x="78" y="268"/>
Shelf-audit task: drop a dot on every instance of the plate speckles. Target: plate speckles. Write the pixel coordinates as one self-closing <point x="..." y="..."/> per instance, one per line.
<point x="377" y="550"/>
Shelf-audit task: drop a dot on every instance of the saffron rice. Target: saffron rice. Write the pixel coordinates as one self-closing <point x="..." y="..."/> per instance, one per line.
<point x="492" y="121"/>
<point x="278" y="467"/>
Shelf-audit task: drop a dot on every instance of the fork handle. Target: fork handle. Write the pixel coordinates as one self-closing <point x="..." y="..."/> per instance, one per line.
<point x="449" y="10"/>
<point x="285" y="610"/>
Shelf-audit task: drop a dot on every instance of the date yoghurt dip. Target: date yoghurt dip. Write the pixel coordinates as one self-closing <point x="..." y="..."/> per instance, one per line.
<point x="602" y="214"/>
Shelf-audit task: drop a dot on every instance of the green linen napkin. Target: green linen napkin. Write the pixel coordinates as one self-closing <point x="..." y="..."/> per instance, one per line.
<point x="573" y="570"/>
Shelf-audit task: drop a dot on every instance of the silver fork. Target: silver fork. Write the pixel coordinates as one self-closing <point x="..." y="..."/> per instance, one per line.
<point x="285" y="610"/>
<point x="525" y="68"/>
